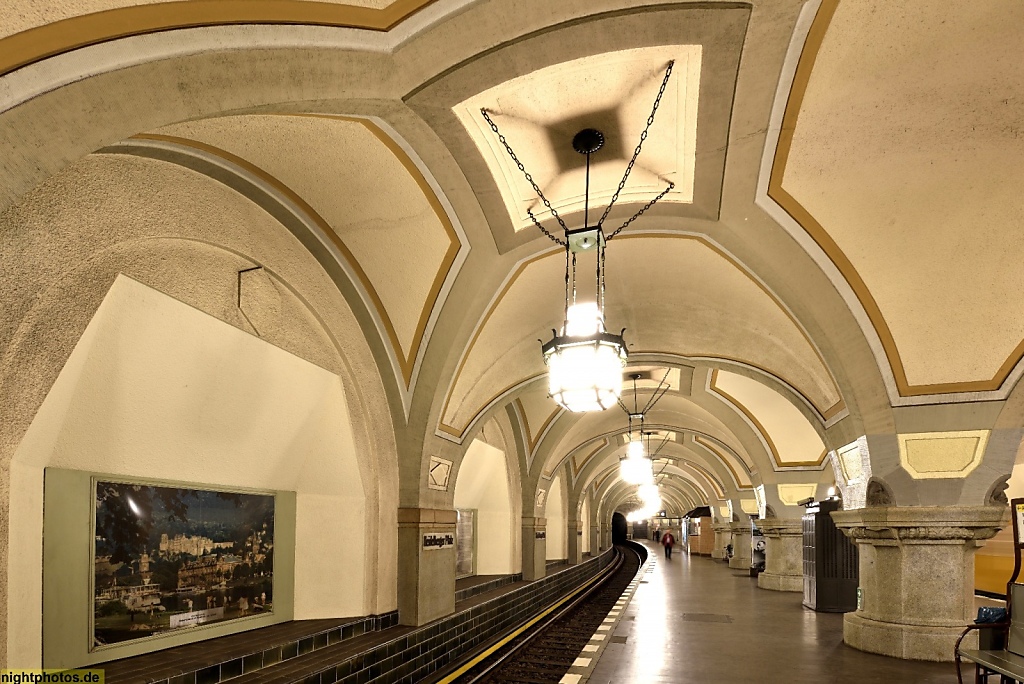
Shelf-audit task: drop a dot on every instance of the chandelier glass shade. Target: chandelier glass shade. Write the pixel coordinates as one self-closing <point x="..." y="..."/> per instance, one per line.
<point x="585" y="362"/>
<point x="636" y="471"/>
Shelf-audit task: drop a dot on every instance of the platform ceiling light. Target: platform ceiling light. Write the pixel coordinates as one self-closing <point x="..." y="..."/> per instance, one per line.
<point x="584" y="360"/>
<point x="637" y="467"/>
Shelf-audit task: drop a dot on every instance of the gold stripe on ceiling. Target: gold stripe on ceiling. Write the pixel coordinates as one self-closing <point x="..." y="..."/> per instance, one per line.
<point x="459" y="432"/>
<point x="405" y="361"/>
<point x="728" y="464"/>
<point x="760" y="428"/>
<point x="577" y="467"/>
<point x="41" y="42"/>
<point x="801" y="79"/>
<point x="531" y="438"/>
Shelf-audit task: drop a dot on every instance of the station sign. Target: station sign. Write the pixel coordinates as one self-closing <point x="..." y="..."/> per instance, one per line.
<point x="438" y="541"/>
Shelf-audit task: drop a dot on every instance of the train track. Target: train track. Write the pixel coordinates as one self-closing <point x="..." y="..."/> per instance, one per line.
<point x="542" y="650"/>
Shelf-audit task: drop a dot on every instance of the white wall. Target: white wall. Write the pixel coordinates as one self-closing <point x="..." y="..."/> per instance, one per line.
<point x="158" y="389"/>
<point x="482" y="484"/>
<point x="554" y="511"/>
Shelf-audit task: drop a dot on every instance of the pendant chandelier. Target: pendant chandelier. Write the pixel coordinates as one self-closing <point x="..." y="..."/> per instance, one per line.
<point x="584" y="360"/>
<point x="637" y="466"/>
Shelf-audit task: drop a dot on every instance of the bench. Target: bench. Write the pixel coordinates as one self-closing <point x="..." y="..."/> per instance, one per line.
<point x="1001" y="646"/>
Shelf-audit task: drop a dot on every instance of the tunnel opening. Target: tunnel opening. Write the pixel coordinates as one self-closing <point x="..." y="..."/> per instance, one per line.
<point x="619" y="528"/>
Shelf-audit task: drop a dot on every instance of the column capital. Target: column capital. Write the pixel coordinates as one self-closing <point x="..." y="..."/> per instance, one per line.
<point x="777" y="527"/>
<point x="922" y="524"/>
<point x="739" y="527"/>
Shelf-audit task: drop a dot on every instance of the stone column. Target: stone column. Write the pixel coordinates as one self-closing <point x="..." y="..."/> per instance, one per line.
<point x="740" y="546"/>
<point x="574" y="542"/>
<point x="535" y="548"/>
<point x="722" y="534"/>
<point x="595" y="540"/>
<point x="783" y="555"/>
<point x="916" y="576"/>
<point x="426" y="565"/>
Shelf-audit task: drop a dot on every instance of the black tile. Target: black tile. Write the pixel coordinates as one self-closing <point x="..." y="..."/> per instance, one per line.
<point x="305" y="645"/>
<point x="313" y="679"/>
<point x="208" y="675"/>
<point x="187" y="678"/>
<point x="251" y="663"/>
<point x="329" y="676"/>
<point x="289" y="651"/>
<point x="334" y="636"/>
<point x="271" y="656"/>
<point x="346" y="632"/>
<point x="320" y="640"/>
<point x="232" y="668"/>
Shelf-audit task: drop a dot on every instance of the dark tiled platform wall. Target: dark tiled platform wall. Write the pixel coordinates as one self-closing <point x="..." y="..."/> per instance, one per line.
<point x="433" y="647"/>
<point x="291" y="649"/>
<point x="478" y="589"/>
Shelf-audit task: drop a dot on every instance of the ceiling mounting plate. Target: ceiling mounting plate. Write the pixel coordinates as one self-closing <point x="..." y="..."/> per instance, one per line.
<point x="585" y="239"/>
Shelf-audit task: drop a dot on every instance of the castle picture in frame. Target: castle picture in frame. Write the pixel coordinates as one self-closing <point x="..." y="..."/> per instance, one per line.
<point x="171" y="558"/>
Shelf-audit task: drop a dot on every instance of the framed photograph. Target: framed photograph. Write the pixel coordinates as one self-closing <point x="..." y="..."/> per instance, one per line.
<point x="167" y="559"/>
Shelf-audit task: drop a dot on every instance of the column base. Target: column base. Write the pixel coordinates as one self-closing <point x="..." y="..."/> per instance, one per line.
<point x="718" y="554"/>
<point x="737" y="563"/>
<point x="910" y="642"/>
<point x="774" y="582"/>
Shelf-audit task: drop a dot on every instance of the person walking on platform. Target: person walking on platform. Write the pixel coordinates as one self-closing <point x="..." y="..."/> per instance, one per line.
<point x="667" y="541"/>
<point x="657" y="535"/>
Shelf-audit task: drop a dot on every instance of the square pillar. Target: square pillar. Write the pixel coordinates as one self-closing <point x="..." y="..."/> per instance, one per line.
<point x="916" y="576"/>
<point x="426" y="565"/>
<point x="783" y="555"/>
<point x="575" y="542"/>
<point x="535" y="548"/>
<point x="740" y="540"/>
<point x="595" y="540"/>
<point x="722" y="536"/>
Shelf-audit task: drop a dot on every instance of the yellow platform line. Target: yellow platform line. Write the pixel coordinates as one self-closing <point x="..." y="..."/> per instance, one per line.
<point x="519" y="630"/>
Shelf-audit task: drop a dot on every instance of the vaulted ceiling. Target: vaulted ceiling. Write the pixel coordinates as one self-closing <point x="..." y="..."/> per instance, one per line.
<point x="840" y="240"/>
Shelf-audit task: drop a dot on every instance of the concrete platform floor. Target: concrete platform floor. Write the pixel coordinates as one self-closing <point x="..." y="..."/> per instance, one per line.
<point x="696" y="620"/>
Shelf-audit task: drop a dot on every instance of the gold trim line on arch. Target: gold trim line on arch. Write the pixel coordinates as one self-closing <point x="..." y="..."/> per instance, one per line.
<point x="406" y="361"/>
<point x="41" y="42"/>
<point x="761" y="428"/>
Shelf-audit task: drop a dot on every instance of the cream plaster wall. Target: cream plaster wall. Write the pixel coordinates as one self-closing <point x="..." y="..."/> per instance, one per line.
<point x="358" y="186"/>
<point x="554" y="512"/>
<point x="187" y="236"/>
<point x="794" y="438"/>
<point x="482" y="484"/>
<point x="537" y="112"/>
<point x="157" y="389"/>
<point x="912" y="110"/>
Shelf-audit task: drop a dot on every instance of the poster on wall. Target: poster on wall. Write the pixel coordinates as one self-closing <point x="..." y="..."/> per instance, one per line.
<point x="167" y="559"/>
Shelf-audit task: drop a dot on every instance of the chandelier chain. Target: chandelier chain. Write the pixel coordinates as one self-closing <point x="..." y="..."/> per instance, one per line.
<point x="544" y="230"/>
<point x="640" y="213"/>
<point x="529" y="179"/>
<point x="636" y="152"/>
